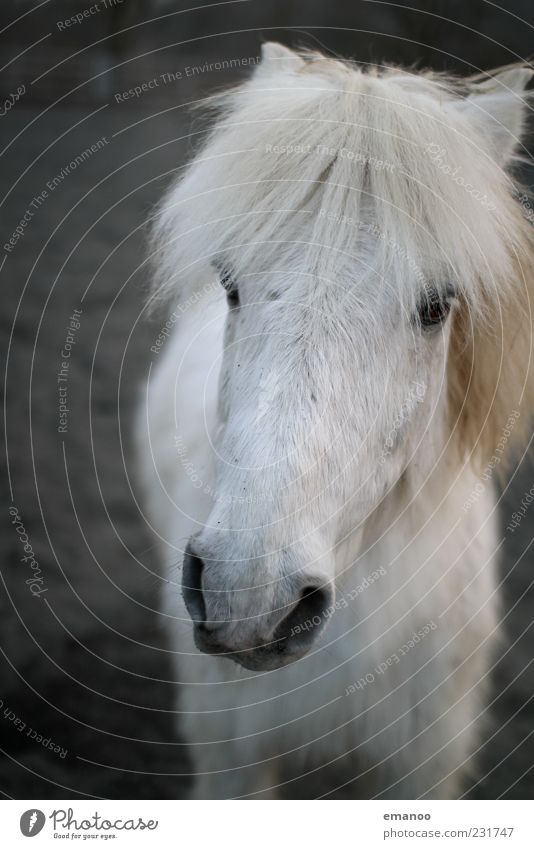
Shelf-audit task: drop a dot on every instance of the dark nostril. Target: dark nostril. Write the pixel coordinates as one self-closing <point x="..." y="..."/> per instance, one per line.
<point x="306" y="619"/>
<point x="192" y="586"/>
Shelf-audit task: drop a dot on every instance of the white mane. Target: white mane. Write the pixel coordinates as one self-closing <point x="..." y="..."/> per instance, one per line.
<point x="311" y="151"/>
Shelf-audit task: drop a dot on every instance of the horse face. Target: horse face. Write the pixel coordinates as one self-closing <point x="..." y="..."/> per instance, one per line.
<point x="333" y="185"/>
<point x="326" y="393"/>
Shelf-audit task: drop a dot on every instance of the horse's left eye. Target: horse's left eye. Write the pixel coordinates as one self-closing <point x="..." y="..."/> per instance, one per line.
<point x="434" y="309"/>
<point x="230" y="286"/>
<point x="232" y="297"/>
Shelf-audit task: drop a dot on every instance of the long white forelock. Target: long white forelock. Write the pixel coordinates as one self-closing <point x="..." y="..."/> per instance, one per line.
<point x="303" y="157"/>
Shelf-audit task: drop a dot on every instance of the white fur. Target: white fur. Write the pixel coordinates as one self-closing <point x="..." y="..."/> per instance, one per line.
<point x="328" y="435"/>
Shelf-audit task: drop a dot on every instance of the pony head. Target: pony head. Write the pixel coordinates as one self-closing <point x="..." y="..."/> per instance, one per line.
<point x="376" y="264"/>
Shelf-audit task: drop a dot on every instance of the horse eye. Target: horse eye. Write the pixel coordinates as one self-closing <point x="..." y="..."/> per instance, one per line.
<point x="232" y="297"/>
<point x="434" y="309"/>
<point x="229" y="285"/>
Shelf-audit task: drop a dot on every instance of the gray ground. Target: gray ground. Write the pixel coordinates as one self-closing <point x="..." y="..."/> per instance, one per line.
<point x="86" y="663"/>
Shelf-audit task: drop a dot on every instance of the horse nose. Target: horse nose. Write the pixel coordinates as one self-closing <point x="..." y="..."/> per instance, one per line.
<point x="284" y="634"/>
<point x="298" y="629"/>
<point x="192" y="586"/>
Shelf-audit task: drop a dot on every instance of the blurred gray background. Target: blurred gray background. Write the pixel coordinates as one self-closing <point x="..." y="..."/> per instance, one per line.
<point x="85" y="680"/>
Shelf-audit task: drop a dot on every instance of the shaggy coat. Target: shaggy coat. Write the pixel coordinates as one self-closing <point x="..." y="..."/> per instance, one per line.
<point x="349" y="271"/>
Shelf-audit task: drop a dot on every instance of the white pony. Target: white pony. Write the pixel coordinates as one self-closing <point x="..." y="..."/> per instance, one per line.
<point x="350" y="270"/>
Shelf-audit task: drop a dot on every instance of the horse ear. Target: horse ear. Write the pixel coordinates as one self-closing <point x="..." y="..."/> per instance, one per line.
<point x="277" y="57"/>
<point x="499" y="105"/>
